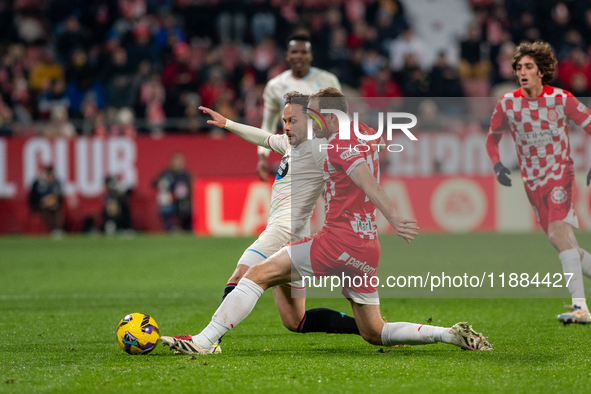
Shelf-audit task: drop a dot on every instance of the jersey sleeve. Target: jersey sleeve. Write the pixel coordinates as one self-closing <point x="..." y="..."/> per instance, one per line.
<point x="578" y="112"/>
<point x="278" y="143"/>
<point x="498" y="124"/>
<point x="319" y="150"/>
<point x="498" y="120"/>
<point x="270" y="114"/>
<point x="336" y="83"/>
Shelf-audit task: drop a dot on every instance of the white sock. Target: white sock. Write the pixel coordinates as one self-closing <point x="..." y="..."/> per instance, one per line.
<point x="237" y="305"/>
<point x="414" y="334"/>
<point x="571" y="264"/>
<point x="581" y="303"/>
<point x="586" y="264"/>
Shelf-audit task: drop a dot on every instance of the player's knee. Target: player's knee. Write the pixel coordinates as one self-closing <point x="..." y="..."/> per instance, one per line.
<point x="238" y="273"/>
<point x="292" y="323"/>
<point x="556" y="238"/>
<point x="235" y="278"/>
<point x="371" y="335"/>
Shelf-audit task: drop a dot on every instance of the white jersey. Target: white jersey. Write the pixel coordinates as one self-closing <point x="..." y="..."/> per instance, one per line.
<point x="297" y="185"/>
<point x="285" y="82"/>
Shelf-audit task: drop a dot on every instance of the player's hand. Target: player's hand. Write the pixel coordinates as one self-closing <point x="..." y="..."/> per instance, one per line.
<point x="501" y="172"/>
<point x="588" y="177"/>
<point x="218" y="120"/>
<point x="405" y="228"/>
<point x="263" y="168"/>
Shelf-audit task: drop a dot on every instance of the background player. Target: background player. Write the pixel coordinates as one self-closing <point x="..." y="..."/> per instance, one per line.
<point x="540" y="129"/>
<point x="352" y="194"/>
<point x="289" y="217"/>
<point x="300" y="77"/>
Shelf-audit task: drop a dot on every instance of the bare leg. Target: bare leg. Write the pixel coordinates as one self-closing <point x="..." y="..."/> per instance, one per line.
<point x="291" y="307"/>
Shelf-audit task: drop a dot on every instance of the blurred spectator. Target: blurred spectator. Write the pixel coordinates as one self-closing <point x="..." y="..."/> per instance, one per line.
<point x="556" y="27"/>
<point x="5" y="117"/>
<point x="85" y="96"/>
<point x="382" y="85"/>
<point x="586" y="27"/>
<point x="174" y="195"/>
<point x="571" y="40"/>
<point x="59" y="125"/>
<point x="73" y="37"/>
<point x="474" y="63"/>
<point x="338" y="54"/>
<point x="178" y="78"/>
<point x="213" y="88"/>
<point x="21" y="98"/>
<point x="116" y="212"/>
<point x="231" y="22"/>
<point x="574" y="73"/>
<point x="169" y="33"/>
<point x="46" y="71"/>
<point x="372" y="61"/>
<point x="405" y="45"/>
<point x="415" y="81"/>
<point x="30" y="29"/>
<point x="124" y="126"/>
<point x="445" y="80"/>
<point x="141" y="48"/>
<point x="46" y="199"/>
<point x="78" y="67"/>
<point x="121" y="86"/>
<point x="132" y="9"/>
<point x="152" y="99"/>
<point x="390" y="21"/>
<point x="263" y="22"/>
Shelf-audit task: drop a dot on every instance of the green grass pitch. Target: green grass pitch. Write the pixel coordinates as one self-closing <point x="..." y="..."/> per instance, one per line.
<point x="60" y="302"/>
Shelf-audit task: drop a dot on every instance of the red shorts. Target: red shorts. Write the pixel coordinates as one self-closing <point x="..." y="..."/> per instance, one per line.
<point x="554" y="201"/>
<point x="338" y="252"/>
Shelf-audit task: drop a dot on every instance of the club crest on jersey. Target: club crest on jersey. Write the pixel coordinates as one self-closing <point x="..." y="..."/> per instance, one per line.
<point x="552" y="115"/>
<point x="559" y="195"/>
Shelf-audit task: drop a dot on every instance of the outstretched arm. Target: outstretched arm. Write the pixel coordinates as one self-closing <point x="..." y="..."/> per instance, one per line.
<point x="366" y="181"/>
<point x="251" y="134"/>
<point x="270" y="118"/>
<point x="498" y="123"/>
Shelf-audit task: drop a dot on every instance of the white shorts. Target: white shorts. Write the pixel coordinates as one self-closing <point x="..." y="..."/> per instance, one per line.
<point x="269" y="242"/>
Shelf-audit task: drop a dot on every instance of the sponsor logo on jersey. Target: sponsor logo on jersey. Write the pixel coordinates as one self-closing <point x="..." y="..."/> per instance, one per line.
<point x="360" y="265"/>
<point x="350" y="153"/>
<point x="362" y="226"/>
<point x="558" y="195"/>
<point x="283" y="168"/>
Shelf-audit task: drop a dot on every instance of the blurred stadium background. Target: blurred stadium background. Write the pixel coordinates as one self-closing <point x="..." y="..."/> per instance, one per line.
<point x="106" y="92"/>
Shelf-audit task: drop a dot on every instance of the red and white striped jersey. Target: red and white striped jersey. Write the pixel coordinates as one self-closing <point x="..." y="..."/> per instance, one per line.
<point x="539" y="126"/>
<point x="346" y="205"/>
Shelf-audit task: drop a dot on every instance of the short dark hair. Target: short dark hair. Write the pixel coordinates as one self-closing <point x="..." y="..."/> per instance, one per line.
<point x="331" y="98"/>
<point x="542" y="54"/>
<point x="299" y="36"/>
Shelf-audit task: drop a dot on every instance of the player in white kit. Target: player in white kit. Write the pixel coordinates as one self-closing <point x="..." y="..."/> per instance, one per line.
<point x="294" y="195"/>
<point x="300" y="77"/>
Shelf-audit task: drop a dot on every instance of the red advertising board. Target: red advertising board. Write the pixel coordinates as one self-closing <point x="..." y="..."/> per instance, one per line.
<point x="229" y="200"/>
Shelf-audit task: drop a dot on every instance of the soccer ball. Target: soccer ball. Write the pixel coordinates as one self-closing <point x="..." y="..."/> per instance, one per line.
<point x="138" y="333"/>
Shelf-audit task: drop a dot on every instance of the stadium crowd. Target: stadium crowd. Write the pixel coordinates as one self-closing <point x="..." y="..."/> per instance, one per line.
<point x="122" y="67"/>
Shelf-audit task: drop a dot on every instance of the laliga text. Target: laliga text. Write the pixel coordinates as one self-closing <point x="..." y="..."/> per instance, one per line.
<point x="432" y="282"/>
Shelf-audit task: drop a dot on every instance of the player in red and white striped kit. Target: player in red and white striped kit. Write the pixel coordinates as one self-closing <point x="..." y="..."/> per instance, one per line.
<point x="537" y="115"/>
<point x="347" y="245"/>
